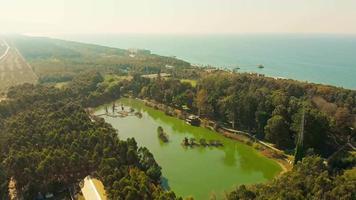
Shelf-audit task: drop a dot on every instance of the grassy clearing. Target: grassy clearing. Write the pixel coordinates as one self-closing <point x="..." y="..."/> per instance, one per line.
<point x="61" y="85"/>
<point x="111" y="79"/>
<point x="192" y="82"/>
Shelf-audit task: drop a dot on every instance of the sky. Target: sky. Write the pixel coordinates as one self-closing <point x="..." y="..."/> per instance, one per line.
<point x="177" y="16"/>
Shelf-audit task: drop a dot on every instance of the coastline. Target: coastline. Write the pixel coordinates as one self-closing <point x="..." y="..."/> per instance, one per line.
<point x="266" y="48"/>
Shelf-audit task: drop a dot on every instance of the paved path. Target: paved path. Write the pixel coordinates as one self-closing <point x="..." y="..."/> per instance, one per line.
<point x="252" y="137"/>
<point x="233" y="131"/>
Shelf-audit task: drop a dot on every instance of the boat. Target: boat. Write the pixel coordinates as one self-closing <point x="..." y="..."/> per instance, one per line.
<point x="236" y="69"/>
<point x="260" y="66"/>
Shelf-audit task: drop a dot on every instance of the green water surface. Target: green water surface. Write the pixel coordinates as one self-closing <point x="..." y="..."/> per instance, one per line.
<point x="201" y="171"/>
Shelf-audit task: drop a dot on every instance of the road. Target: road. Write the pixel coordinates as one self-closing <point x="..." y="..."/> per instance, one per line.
<point x="6" y="51"/>
<point x="14" y="69"/>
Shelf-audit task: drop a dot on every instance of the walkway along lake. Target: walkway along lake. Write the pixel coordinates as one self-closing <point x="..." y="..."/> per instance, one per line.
<point x="199" y="171"/>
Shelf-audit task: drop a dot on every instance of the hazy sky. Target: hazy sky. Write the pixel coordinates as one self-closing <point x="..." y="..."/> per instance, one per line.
<point x="177" y="16"/>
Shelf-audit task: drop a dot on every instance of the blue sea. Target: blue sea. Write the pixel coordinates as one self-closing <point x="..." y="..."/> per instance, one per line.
<point x="328" y="59"/>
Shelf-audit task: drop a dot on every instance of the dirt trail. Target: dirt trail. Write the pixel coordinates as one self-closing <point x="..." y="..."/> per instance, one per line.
<point x="6" y="50"/>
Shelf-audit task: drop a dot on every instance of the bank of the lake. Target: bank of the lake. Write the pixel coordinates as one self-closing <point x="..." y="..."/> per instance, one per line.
<point x="200" y="171"/>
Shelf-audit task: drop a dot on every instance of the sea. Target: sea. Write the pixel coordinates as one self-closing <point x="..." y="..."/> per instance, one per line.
<point x="318" y="58"/>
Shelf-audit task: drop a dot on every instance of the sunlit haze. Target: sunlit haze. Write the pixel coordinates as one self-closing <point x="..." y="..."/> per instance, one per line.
<point x="177" y="16"/>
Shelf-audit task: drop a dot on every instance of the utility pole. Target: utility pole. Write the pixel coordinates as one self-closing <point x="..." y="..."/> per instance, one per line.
<point x="299" y="149"/>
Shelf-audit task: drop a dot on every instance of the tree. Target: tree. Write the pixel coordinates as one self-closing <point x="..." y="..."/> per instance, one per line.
<point x="3" y="184"/>
<point x="316" y="129"/>
<point x="204" y="108"/>
<point x="52" y="143"/>
<point x="277" y="131"/>
<point x="261" y="120"/>
<point x="242" y="193"/>
<point x="343" y="120"/>
<point x="228" y="105"/>
<point x="344" y="186"/>
<point x="279" y="97"/>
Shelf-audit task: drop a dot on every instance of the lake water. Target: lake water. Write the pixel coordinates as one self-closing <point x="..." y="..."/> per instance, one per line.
<point x="328" y="59"/>
<point x="199" y="171"/>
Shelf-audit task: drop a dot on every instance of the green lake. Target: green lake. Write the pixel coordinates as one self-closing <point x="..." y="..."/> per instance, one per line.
<point x="200" y="171"/>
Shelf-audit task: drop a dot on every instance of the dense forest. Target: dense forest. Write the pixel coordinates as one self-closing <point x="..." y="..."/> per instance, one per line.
<point x="272" y="111"/>
<point x="268" y="108"/>
<point x="48" y="141"/>
<point x="56" y="60"/>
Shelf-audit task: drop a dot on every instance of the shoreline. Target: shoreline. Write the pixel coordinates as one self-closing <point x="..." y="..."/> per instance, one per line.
<point x="252" y="160"/>
<point x="267" y="150"/>
<point x="283" y="163"/>
<point x="263" y="148"/>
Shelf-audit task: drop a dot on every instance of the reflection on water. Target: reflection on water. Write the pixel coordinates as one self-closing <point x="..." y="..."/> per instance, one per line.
<point x="165" y="184"/>
<point x="230" y="156"/>
<point x="193" y="171"/>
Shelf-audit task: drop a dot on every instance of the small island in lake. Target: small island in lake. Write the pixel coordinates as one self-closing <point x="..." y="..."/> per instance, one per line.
<point x="162" y="135"/>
